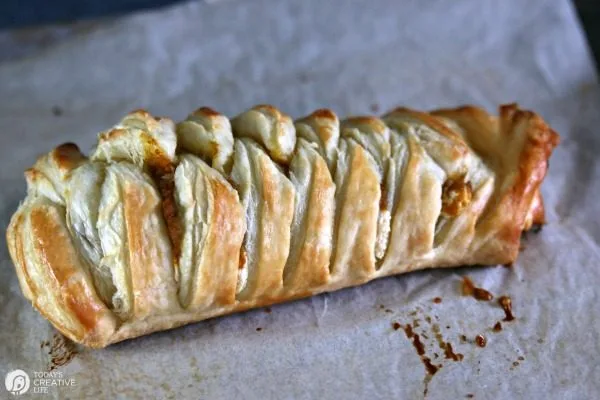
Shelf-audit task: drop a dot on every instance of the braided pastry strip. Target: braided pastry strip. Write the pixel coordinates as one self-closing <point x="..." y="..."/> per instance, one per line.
<point x="166" y="224"/>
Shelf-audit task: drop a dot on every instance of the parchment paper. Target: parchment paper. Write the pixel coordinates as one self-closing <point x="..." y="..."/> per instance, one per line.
<point x="355" y="57"/>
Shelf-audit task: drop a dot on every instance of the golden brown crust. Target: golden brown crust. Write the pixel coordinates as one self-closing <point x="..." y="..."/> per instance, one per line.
<point x="536" y="214"/>
<point x="206" y="111"/>
<point x="214" y="279"/>
<point x="267" y="196"/>
<point x="458" y="149"/>
<point x="322" y="128"/>
<point x="50" y="170"/>
<point x="147" y="261"/>
<point x="324" y="119"/>
<point x="413" y="227"/>
<point x="374" y="124"/>
<point x="270" y="127"/>
<point x="224" y="243"/>
<point x="149" y="139"/>
<point x="135" y="206"/>
<point x="428" y="119"/>
<point x="207" y="134"/>
<point x="308" y="262"/>
<point x="356" y="225"/>
<point x="464" y="185"/>
<point x="14" y="240"/>
<point x="61" y="266"/>
<point x="276" y="215"/>
<point x="67" y="157"/>
<point x="67" y="279"/>
<point x="520" y="161"/>
<point x="313" y="262"/>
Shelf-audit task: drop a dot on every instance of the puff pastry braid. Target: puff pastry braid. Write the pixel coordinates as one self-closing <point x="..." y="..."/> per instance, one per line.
<point x="168" y="224"/>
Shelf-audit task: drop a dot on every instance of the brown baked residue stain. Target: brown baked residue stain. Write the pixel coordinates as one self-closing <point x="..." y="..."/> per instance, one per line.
<point x="445" y="346"/>
<point x="268" y="310"/>
<point x="426" y="337"/>
<point x="506" y="304"/>
<point x="470" y="396"/>
<point x="387" y="310"/>
<point x="419" y="347"/>
<point x="258" y="329"/>
<point x="437" y="300"/>
<point x="450" y="354"/>
<point x="469" y="289"/>
<point x="61" y="351"/>
<point x="482" y="294"/>
<point x="497" y="327"/>
<point x="416" y="339"/>
<point x="448" y="351"/>
<point x="467" y="286"/>
<point x="480" y="340"/>
<point x="430" y="368"/>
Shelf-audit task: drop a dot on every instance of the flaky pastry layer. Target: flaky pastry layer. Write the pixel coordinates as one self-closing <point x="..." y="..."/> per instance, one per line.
<point x="167" y="224"/>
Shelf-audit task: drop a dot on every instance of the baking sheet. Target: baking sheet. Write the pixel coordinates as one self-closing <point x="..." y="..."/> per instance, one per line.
<point x="354" y="57"/>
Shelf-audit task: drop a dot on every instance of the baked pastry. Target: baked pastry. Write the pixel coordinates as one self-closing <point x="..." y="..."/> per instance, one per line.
<point x="168" y="224"/>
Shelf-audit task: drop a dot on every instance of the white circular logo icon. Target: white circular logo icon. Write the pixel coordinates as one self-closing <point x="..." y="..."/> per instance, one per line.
<point x="17" y="382"/>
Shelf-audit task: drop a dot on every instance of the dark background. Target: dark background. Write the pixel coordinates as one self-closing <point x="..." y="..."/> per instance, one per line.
<point x="27" y="13"/>
<point x="589" y="14"/>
